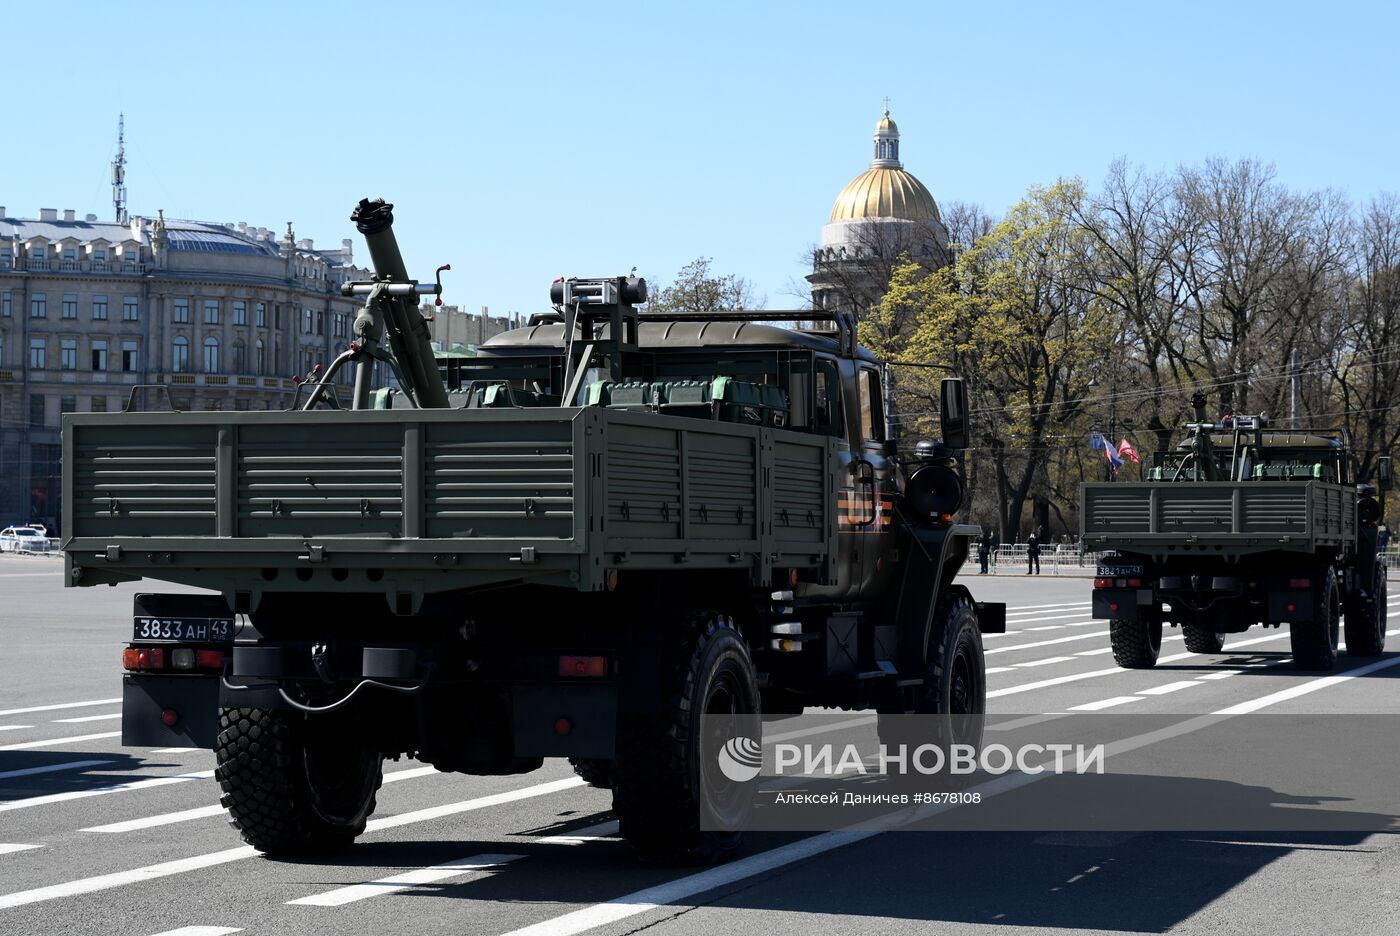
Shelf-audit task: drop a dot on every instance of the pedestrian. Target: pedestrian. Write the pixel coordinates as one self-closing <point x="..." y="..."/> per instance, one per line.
<point x="1033" y="554"/>
<point x="984" y="550"/>
<point x="1382" y="537"/>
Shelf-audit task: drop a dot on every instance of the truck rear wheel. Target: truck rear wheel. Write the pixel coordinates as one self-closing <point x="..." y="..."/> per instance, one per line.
<point x="1136" y="644"/>
<point x="1365" y="619"/>
<point x="291" y="787"/>
<point x="1314" y="643"/>
<point x="1202" y="639"/>
<point x="657" y="785"/>
<point x="594" y="771"/>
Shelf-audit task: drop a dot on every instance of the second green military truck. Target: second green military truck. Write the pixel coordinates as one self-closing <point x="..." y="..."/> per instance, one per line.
<point x="1244" y="525"/>
<point x="603" y="528"/>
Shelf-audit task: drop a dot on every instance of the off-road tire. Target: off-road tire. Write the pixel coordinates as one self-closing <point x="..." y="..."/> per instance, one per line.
<point x="1365" y="619"/>
<point x="272" y="768"/>
<point x="1136" y="644"/>
<point x="656" y="784"/>
<point x="595" y="771"/>
<point x="1314" y="643"/>
<point x="954" y="686"/>
<point x="1202" y="639"/>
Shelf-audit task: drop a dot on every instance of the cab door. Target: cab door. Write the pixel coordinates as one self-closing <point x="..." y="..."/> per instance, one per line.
<point x="875" y="477"/>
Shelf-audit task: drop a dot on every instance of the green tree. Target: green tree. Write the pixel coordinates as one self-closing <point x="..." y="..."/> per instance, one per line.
<point x="697" y="290"/>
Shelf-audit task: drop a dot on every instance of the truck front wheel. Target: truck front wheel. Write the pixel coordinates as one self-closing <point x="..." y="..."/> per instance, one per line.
<point x="658" y="793"/>
<point x="1202" y="639"/>
<point x="595" y="771"/>
<point x="1136" y="643"/>
<point x="1365" y="619"/>
<point x="292" y="786"/>
<point x="1314" y="643"/>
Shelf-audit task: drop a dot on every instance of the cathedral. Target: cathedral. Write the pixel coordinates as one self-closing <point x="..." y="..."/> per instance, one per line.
<point x="885" y="213"/>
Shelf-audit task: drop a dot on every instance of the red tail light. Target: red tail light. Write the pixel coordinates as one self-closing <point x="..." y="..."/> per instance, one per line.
<point x="1103" y="583"/>
<point x="583" y="666"/>
<point x="209" y="659"/>
<point x="143" y="658"/>
<point x="1134" y="583"/>
<point x="1300" y="583"/>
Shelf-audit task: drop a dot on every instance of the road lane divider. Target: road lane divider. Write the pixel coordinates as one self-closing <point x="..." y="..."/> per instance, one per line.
<point x="475" y="865"/>
<point x="7" y="849"/>
<point x="61" y="705"/>
<point x="30" y="745"/>
<point x="1105" y="703"/>
<point x="53" y="768"/>
<point x="202" y="931"/>
<point x="1046" y="643"/>
<point x="166" y="869"/>
<point x="1045" y="662"/>
<point x="129" y="786"/>
<point x="14" y="727"/>
<point x="87" y="718"/>
<point x="1169" y="687"/>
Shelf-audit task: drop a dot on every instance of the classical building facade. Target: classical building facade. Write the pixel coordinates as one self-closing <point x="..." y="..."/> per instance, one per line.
<point x="222" y="315"/>
<point x="883" y="215"/>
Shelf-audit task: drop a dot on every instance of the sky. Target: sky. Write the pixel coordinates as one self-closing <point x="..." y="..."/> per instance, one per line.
<point x="525" y="141"/>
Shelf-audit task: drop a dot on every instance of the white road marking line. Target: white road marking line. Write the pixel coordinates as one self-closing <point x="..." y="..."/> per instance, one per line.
<point x="1045" y="628"/>
<point x="1222" y="674"/>
<point x="1045" y="662"/>
<point x="208" y="812"/>
<point x="202" y="931"/>
<point x="1096" y="651"/>
<point x="173" y="750"/>
<point x="1043" y="617"/>
<point x="588" y="834"/>
<point x="9" y="849"/>
<point x="1169" y="687"/>
<point x="86" y="718"/>
<point x="54" y="768"/>
<point x="150" y="822"/>
<point x="1105" y="703"/>
<point x="14" y="727"/>
<point x="1064" y="604"/>
<point x="61" y="705"/>
<point x="8" y="805"/>
<point x="213" y="859"/>
<point x="998" y="669"/>
<point x="451" y="809"/>
<point x="48" y="741"/>
<point x="670" y="892"/>
<point x="1303" y="689"/>
<point x="1047" y="643"/>
<point x="398" y="882"/>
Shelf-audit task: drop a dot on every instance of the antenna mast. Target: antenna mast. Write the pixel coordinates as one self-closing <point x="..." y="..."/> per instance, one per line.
<point x="119" y="173"/>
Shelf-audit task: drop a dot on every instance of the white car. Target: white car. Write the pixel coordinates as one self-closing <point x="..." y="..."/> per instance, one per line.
<point x="23" y="539"/>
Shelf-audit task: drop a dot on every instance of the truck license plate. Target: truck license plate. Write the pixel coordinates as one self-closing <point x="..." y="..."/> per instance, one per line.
<point x="1117" y="571"/>
<point x="184" y="630"/>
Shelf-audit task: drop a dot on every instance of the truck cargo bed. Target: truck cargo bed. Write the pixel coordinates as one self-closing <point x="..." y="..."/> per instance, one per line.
<point x="1162" y="518"/>
<point x="433" y="500"/>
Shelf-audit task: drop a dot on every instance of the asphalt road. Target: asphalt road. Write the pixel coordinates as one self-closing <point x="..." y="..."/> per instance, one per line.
<point x="95" y="838"/>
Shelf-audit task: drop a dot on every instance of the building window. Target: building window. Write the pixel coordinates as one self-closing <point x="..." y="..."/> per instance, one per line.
<point x="260" y="315"/>
<point x="70" y="258"/>
<point x="260" y="357"/>
<point x="70" y="306"/>
<point x="211" y="355"/>
<point x="320" y="323"/>
<point x="38" y="353"/>
<point x="130" y="309"/>
<point x="240" y="312"/>
<point x="99" y="265"/>
<point x="38" y="306"/>
<point x="67" y="404"/>
<point x="182" y="311"/>
<point x="99" y="354"/>
<point x="68" y="354"/>
<point x="99" y="404"/>
<point x="99" y="308"/>
<point x="6" y="305"/>
<point x="306" y="322"/>
<point x="277" y="316"/>
<point x="211" y="311"/>
<point x="340" y="325"/>
<point x="180" y="355"/>
<point x="129" y="349"/>
<point x="241" y="403"/>
<point x="36" y="409"/>
<point x="239" y="355"/>
<point x="213" y="403"/>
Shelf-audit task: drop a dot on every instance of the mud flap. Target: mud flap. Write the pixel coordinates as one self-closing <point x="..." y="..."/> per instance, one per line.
<point x="192" y="701"/>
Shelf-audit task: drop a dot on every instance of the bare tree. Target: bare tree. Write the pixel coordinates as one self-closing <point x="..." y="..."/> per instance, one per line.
<point x="697" y="290"/>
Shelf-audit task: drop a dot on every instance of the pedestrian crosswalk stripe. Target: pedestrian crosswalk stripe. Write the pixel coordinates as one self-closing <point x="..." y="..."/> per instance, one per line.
<point x="398" y="882"/>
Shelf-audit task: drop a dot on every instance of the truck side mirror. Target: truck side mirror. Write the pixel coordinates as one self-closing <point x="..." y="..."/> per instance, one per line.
<point x="1384" y="473"/>
<point x="952" y="414"/>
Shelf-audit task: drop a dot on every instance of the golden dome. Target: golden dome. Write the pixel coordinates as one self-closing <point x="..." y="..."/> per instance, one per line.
<point x="883" y="192"/>
<point x="886" y="125"/>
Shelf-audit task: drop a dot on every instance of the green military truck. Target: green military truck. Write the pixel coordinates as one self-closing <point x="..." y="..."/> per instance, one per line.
<point x="600" y="529"/>
<point x="1243" y="525"/>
